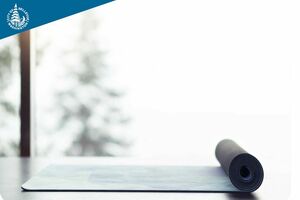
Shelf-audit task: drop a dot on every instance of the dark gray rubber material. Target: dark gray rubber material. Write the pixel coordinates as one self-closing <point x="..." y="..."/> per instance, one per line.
<point x="244" y="170"/>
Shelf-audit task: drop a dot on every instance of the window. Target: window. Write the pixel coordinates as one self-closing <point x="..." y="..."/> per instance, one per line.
<point x="122" y="79"/>
<point x="9" y="96"/>
<point x="78" y="109"/>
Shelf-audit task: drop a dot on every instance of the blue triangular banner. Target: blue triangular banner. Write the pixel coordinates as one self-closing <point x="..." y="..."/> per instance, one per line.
<point x="17" y="16"/>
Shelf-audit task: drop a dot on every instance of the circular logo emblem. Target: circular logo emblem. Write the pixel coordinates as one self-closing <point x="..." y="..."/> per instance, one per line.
<point x="17" y="18"/>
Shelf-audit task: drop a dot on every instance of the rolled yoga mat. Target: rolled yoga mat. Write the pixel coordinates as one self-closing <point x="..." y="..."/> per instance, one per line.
<point x="239" y="172"/>
<point x="244" y="170"/>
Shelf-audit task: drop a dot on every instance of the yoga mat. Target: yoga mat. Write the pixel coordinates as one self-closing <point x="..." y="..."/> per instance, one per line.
<point x="239" y="172"/>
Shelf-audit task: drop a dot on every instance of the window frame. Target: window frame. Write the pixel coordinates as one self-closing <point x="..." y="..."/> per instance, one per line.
<point x="25" y="98"/>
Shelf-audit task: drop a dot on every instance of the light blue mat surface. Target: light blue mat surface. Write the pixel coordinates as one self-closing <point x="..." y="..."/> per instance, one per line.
<point x="130" y="178"/>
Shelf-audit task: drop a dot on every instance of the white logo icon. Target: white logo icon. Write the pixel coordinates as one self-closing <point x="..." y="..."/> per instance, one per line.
<point x="17" y="18"/>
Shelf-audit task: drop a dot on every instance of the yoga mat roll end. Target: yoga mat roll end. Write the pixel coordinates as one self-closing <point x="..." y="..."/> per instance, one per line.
<point x="243" y="169"/>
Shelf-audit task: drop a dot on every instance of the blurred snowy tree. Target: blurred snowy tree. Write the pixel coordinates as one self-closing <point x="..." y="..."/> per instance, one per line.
<point x="9" y="99"/>
<point x="85" y="107"/>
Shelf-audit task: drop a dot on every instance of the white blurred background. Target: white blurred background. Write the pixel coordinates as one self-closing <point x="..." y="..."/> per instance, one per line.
<point x="184" y="76"/>
<point x="194" y="73"/>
